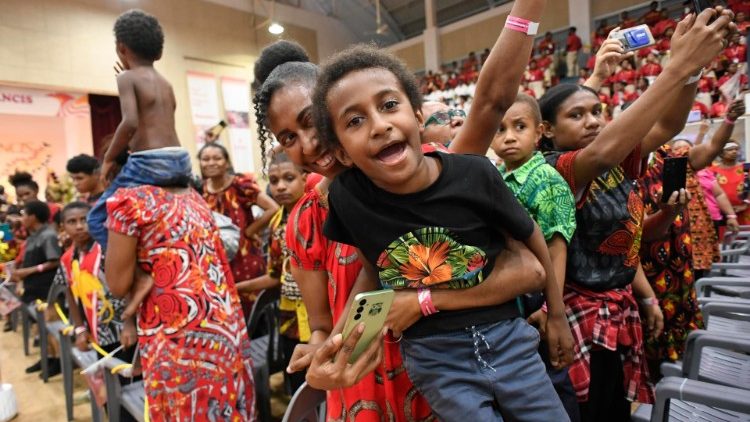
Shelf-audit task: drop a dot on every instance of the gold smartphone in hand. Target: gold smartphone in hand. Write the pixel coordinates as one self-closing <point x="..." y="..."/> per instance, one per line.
<point x="370" y="308"/>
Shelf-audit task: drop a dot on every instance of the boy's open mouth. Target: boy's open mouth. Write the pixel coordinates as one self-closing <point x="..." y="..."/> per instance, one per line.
<point x="392" y="153"/>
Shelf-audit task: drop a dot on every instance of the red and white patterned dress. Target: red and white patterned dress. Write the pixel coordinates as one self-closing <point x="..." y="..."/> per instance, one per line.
<point x="386" y="394"/>
<point x="194" y="346"/>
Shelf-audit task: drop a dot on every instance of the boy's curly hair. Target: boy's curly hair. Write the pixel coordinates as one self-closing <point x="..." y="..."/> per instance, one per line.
<point x="141" y="33"/>
<point x="357" y="57"/>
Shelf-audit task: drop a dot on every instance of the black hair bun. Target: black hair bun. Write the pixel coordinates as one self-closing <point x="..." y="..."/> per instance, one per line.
<point x="20" y="178"/>
<point x="275" y="55"/>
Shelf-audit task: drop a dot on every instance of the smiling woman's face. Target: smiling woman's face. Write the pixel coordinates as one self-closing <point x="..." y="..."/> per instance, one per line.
<point x="289" y="118"/>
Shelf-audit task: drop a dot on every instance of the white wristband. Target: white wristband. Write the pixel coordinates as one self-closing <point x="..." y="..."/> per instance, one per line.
<point x="695" y="78"/>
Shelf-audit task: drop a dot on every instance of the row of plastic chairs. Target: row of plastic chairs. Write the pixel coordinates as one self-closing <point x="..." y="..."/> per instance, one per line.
<point x="712" y="382"/>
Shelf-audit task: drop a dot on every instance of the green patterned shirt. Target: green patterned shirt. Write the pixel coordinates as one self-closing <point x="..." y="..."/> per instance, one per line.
<point x="545" y="195"/>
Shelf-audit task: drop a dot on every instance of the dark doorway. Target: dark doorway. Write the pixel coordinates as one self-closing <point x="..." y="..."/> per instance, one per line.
<point x="105" y="116"/>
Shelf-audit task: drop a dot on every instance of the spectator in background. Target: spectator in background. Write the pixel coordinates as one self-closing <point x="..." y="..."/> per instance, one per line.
<point x="653" y="16"/>
<point x="735" y="51"/>
<point x="731" y="177"/>
<point x="441" y="123"/>
<point x="485" y="54"/>
<point x="600" y="35"/>
<point x="535" y="77"/>
<point x="626" y="75"/>
<point x="546" y="46"/>
<point x="28" y="190"/>
<point x="41" y="257"/>
<point x="234" y="195"/>
<point x="742" y="23"/>
<point x="626" y="21"/>
<point x="84" y="171"/>
<point x="573" y="46"/>
<point x="652" y="68"/>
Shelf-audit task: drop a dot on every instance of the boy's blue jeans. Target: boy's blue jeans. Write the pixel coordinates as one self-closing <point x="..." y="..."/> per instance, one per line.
<point x="490" y="372"/>
<point x="157" y="167"/>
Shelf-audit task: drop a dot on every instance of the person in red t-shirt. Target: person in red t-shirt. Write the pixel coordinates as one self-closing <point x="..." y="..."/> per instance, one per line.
<point x="719" y="109"/>
<point x="662" y="26"/>
<point x="535" y="77"/>
<point x="572" y="46"/>
<point x="666" y="41"/>
<point x="742" y="23"/>
<point x="735" y="52"/>
<point x="653" y="16"/>
<point x="546" y="46"/>
<point x="738" y="6"/>
<point x="626" y="21"/>
<point x="652" y="67"/>
<point x="731" y="71"/>
<point x="599" y="36"/>
<point x="626" y="75"/>
<point x="699" y="106"/>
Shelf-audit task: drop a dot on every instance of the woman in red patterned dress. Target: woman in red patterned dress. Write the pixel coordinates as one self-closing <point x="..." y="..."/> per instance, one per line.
<point x="234" y="195"/>
<point x="194" y="347"/>
<point x="731" y="178"/>
<point x="283" y="105"/>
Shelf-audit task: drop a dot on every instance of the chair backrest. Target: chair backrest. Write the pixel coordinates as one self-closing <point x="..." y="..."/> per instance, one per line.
<point x="57" y="295"/>
<point x="266" y="299"/>
<point x="307" y="405"/>
<point x="266" y="310"/>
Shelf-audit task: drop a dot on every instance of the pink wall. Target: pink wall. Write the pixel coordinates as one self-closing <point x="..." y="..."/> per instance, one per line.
<point x="41" y="132"/>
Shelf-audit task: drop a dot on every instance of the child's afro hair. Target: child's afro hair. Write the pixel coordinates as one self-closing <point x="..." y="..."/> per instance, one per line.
<point x="22" y="178"/>
<point x="141" y="33"/>
<point x="357" y="57"/>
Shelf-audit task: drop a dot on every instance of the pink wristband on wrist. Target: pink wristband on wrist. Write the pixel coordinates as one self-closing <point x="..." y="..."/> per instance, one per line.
<point x="40" y="268"/>
<point x="424" y="296"/>
<point x="731" y="216"/>
<point x="729" y="121"/>
<point x="522" y="25"/>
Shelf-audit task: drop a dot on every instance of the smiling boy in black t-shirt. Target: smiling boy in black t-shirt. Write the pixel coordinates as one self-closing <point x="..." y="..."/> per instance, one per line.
<point x="435" y="221"/>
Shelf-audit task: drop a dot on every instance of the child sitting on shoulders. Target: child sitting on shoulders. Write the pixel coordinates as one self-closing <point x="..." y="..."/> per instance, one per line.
<point x="147" y="127"/>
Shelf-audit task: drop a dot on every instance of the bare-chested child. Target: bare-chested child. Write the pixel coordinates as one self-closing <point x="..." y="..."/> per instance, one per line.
<point x="147" y="128"/>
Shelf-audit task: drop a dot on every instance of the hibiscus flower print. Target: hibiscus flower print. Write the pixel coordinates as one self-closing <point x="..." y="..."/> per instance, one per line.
<point x="430" y="257"/>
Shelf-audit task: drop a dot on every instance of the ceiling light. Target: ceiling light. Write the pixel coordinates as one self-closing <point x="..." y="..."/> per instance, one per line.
<point x="275" y="28"/>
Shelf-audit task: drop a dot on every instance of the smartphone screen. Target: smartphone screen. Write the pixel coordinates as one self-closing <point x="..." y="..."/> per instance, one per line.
<point x="694" y="116"/>
<point x="673" y="176"/>
<point x="636" y="38"/>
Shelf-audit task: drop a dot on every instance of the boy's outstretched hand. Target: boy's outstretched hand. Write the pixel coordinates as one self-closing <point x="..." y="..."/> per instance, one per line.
<point x="559" y="340"/>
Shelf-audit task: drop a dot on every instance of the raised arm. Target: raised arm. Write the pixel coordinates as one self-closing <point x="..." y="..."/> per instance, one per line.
<point x="498" y="82"/>
<point x="129" y="123"/>
<point x="694" y="44"/>
<point x="610" y="54"/>
<point x="704" y="154"/>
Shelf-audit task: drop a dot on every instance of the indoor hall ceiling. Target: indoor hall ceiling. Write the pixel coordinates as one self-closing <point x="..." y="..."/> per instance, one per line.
<point x="400" y="19"/>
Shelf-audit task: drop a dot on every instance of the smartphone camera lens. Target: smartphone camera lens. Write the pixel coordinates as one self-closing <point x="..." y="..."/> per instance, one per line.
<point x="362" y="302"/>
<point x="360" y="309"/>
<point x="357" y="317"/>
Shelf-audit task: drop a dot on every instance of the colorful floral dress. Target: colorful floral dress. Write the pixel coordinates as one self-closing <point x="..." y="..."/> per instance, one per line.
<point x="194" y="347"/>
<point x="732" y="180"/>
<point x="668" y="267"/>
<point x="386" y="394"/>
<point x="235" y="202"/>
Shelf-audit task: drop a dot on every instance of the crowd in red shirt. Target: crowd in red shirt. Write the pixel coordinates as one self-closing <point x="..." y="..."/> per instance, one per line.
<point x="633" y="77"/>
